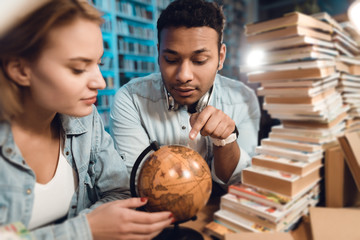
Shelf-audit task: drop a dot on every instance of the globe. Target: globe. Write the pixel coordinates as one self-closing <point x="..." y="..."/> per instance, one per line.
<point x="177" y="179"/>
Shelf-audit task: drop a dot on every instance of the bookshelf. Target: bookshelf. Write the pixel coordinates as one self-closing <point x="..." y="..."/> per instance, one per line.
<point x="130" y="39"/>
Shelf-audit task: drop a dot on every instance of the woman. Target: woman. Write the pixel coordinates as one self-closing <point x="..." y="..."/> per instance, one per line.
<point x="59" y="171"/>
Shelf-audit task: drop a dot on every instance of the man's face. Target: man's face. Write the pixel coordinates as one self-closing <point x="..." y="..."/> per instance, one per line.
<point x="189" y="59"/>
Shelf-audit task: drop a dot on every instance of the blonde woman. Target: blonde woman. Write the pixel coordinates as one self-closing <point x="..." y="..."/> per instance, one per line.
<point x="59" y="172"/>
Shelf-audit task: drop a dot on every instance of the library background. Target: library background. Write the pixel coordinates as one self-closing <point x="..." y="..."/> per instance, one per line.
<point x="307" y="77"/>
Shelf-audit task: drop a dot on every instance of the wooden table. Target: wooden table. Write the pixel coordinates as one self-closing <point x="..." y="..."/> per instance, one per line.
<point x="204" y="217"/>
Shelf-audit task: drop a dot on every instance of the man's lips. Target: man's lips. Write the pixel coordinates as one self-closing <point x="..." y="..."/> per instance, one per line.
<point x="184" y="92"/>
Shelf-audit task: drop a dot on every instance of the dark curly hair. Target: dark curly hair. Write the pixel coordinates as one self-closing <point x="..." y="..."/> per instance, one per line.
<point x="192" y="13"/>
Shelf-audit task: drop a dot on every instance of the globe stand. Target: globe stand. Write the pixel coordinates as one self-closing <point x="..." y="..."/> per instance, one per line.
<point x="179" y="233"/>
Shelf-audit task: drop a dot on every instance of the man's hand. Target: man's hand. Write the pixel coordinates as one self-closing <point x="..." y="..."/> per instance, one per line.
<point x="211" y="122"/>
<point x="119" y="220"/>
<point x="216" y="124"/>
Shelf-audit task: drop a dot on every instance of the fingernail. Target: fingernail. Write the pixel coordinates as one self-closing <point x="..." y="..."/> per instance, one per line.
<point x="171" y="215"/>
<point x="143" y="199"/>
<point x="173" y="220"/>
<point x="192" y="135"/>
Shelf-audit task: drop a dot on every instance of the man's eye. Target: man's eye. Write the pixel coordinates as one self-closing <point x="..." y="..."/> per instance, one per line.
<point x="170" y="60"/>
<point x="199" y="61"/>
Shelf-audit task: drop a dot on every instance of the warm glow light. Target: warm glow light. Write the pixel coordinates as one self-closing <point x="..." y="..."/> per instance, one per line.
<point x="255" y="58"/>
<point x="354" y="14"/>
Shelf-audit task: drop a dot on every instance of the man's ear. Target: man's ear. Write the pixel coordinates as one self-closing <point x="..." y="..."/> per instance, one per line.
<point x="222" y="56"/>
<point x="19" y="71"/>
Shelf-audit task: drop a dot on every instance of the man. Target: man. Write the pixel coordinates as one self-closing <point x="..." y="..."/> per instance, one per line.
<point x="188" y="103"/>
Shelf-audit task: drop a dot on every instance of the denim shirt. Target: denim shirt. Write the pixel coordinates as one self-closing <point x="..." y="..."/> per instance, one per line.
<point x="139" y="115"/>
<point x="101" y="174"/>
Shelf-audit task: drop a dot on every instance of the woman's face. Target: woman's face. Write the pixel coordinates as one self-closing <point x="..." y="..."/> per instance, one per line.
<point x="66" y="77"/>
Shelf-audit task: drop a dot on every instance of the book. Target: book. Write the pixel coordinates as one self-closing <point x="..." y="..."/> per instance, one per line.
<point x="296" y="41"/>
<point x="320" y="113"/>
<point x="349" y="143"/>
<point x="267" y="213"/>
<point x="237" y="224"/>
<point x="342" y="50"/>
<point x="295" y="145"/>
<point x="319" y="106"/>
<point x="290" y="65"/>
<point x="341" y="66"/>
<point x="254" y="220"/>
<point x="302" y="82"/>
<point x="290" y="19"/>
<point x="296" y="167"/>
<point x="316" y="124"/>
<point x="349" y="60"/>
<point x="290" y="31"/>
<point x="346" y="43"/>
<point x="287" y="153"/>
<point x="269" y="198"/>
<point x="217" y="230"/>
<point x="277" y="181"/>
<point x="354" y="69"/>
<point x="334" y="223"/>
<point x="324" y="16"/>
<point x="296" y="91"/>
<point x="325" y="137"/>
<point x="324" y="117"/>
<point x="300" y="100"/>
<point x="308" y="73"/>
<point x="259" y="236"/>
<point x="310" y="52"/>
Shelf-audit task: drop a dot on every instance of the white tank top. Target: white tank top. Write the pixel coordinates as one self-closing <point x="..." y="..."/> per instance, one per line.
<point x="52" y="200"/>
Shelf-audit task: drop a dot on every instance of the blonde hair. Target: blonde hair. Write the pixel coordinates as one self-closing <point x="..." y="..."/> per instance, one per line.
<point x="27" y="40"/>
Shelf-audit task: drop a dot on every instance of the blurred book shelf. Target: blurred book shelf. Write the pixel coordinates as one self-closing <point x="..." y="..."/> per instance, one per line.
<point x="130" y="38"/>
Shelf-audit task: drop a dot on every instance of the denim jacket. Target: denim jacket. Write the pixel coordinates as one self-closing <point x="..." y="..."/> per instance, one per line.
<point x="140" y="115"/>
<point x="101" y="173"/>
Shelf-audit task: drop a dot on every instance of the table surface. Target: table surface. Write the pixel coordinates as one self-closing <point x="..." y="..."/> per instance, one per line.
<point x="204" y="217"/>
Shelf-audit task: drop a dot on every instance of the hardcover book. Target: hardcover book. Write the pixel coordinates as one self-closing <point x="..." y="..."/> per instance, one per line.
<point x="267" y="213"/>
<point x="276" y="76"/>
<point x="303" y="83"/>
<point x="294" y="145"/>
<point x="295" y="30"/>
<point x="269" y="198"/>
<point x="296" y="41"/>
<point x="290" y="19"/>
<point x="291" y="154"/>
<point x="285" y="164"/>
<point x="281" y="182"/>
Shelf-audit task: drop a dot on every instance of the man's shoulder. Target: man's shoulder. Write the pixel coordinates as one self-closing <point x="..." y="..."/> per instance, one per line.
<point x="233" y="88"/>
<point x="144" y="84"/>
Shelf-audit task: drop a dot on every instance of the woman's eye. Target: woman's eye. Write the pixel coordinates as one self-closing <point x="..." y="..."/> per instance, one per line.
<point x="78" y="71"/>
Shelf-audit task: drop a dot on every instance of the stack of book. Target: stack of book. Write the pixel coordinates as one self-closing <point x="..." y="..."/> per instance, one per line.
<point x="299" y="75"/>
<point x="246" y="208"/>
<point x="348" y="65"/>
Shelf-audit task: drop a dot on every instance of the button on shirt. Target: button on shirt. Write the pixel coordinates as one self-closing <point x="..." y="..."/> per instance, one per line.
<point x="139" y="115"/>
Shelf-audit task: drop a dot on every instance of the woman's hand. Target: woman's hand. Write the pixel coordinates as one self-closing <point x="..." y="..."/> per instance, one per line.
<point x="119" y="220"/>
